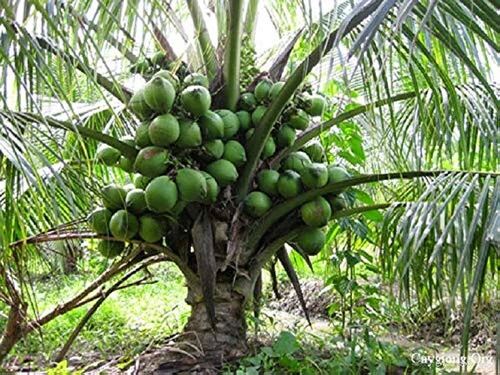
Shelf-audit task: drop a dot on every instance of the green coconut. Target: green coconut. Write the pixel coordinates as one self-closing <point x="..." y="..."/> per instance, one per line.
<point x="150" y="229"/>
<point x="337" y="202"/>
<point x="190" y="134"/>
<point x="141" y="66"/>
<point x="196" y="100"/>
<point x="196" y="79"/>
<point x="315" y="175"/>
<point x="169" y="76"/>
<point x="158" y="58"/>
<point x="99" y="220"/>
<point x="110" y="249"/>
<point x="247" y="101"/>
<point x="245" y="120"/>
<point x="213" y="149"/>
<point x="136" y="201"/>
<point x="289" y="184"/>
<point x="161" y="194"/>
<point x="286" y="136"/>
<point x="257" y="115"/>
<point x="275" y="90"/>
<point x="235" y="153"/>
<point x="140" y="181"/>
<point x="137" y="104"/>
<point x="269" y="148"/>
<point x="126" y="164"/>
<point x="159" y="94"/>
<point x="262" y="88"/>
<point x="257" y="203"/>
<point x="151" y="161"/>
<point x="212" y="126"/>
<point x="311" y="241"/>
<point x="164" y="130"/>
<point x="108" y="155"/>
<point x="113" y="197"/>
<point x="212" y="188"/>
<point x="299" y="120"/>
<point x="223" y="171"/>
<point x="191" y="184"/>
<point x="316" y="213"/>
<point x="142" y="135"/>
<point x="315" y="151"/>
<point x="297" y="161"/>
<point x="123" y="225"/>
<point x="267" y="181"/>
<point x="337" y="174"/>
<point x="231" y="123"/>
<point x="315" y="105"/>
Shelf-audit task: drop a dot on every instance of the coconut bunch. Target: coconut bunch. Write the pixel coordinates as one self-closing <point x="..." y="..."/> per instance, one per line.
<point x="188" y="152"/>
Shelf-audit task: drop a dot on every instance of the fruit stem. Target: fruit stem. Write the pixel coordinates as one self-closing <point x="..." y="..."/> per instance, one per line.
<point x="233" y="55"/>
<point x="250" y="19"/>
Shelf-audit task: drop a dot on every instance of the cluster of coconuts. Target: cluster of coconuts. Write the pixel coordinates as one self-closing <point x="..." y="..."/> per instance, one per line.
<point x="188" y="152"/>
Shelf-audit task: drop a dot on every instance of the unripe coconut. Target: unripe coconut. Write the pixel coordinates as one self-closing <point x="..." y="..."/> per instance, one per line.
<point x="289" y="184"/>
<point x="316" y="213"/>
<point x="267" y="181"/>
<point x="141" y="66"/>
<point x="159" y="94"/>
<point x="110" y="249"/>
<point x="315" y="104"/>
<point x="164" y="130"/>
<point x="286" y="136"/>
<point x="214" y="149"/>
<point x="158" y="58"/>
<point x="190" y="134"/>
<point x="245" y="120"/>
<point x="196" y="79"/>
<point x="231" y="123"/>
<point x="269" y="148"/>
<point x="247" y="101"/>
<point x="150" y="229"/>
<point x="99" y="220"/>
<point x="257" y="115"/>
<point x="315" y="175"/>
<point x="235" y="153"/>
<point x="108" y="155"/>
<point x="138" y="105"/>
<point x="212" y="126"/>
<point x="337" y="174"/>
<point x="161" y="194"/>
<point x="151" y="161"/>
<point x="140" y="181"/>
<point x="126" y="164"/>
<point x="136" y="201"/>
<point x="257" y="204"/>
<point x="113" y="197"/>
<point x="299" y="120"/>
<point x="297" y="161"/>
<point x="315" y="151"/>
<point x="142" y="135"/>
<point x="311" y="241"/>
<point x="123" y="225"/>
<point x="191" y="184"/>
<point x="262" y="88"/>
<point x="169" y="76"/>
<point x="337" y="202"/>
<point x="223" y="171"/>
<point x="196" y="100"/>
<point x="275" y="90"/>
<point x="212" y="188"/>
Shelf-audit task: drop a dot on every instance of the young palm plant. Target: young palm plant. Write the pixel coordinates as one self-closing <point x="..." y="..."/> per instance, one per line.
<point x="226" y="175"/>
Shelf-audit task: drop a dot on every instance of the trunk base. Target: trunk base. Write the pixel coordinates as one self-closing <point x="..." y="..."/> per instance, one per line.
<point x="200" y="349"/>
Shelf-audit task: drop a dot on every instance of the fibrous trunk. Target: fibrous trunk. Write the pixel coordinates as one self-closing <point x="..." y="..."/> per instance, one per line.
<point x="201" y="348"/>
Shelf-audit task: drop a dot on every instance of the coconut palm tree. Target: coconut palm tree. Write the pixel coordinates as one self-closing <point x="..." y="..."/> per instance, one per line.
<point x="412" y="103"/>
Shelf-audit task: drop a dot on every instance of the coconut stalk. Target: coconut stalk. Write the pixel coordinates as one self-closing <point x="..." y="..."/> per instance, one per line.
<point x="232" y="57"/>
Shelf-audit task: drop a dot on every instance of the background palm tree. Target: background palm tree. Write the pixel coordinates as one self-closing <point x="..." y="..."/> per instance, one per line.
<point x="412" y="89"/>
